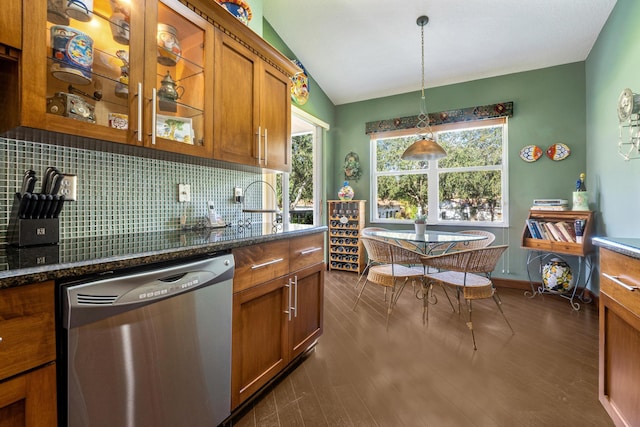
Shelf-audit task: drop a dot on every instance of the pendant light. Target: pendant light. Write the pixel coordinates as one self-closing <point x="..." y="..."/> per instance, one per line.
<point x="425" y="148"/>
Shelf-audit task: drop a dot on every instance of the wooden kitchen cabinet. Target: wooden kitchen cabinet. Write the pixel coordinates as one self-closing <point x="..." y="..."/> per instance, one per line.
<point x="274" y="319"/>
<point x="120" y="98"/>
<point x="254" y="126"/>
<point x="619" y="371"/>
<point x="11" y="24"/>
<point x="27" y="352"/>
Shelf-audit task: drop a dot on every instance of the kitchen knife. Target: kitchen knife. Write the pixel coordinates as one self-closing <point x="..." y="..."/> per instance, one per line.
<point x="31" y="183"/>
<point x="56" y="213"/>
<point x="24" y="204"/>
<point x="53" y="206"/>
<point x="46" y="179"/>
<point x="56" y="181"/>
<point x="39" y="205"/>
<point x="46" y="206"/>
<point x="28" y="211"/>
<point x="28" y="181"/>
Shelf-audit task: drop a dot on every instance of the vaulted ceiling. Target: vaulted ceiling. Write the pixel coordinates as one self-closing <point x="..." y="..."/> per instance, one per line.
<point x="363" y="49"/>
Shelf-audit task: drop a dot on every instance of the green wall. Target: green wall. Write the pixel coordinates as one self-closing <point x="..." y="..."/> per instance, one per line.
<point x="613" y="65"/>
<point x="549" y="107"/>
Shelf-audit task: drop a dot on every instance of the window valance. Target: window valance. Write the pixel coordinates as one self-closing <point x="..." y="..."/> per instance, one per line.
<point x="503" y="109"/>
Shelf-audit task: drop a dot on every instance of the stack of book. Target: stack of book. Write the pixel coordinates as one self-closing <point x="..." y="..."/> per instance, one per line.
<point x="550" y="205"/>
<point x="560" y="231"/>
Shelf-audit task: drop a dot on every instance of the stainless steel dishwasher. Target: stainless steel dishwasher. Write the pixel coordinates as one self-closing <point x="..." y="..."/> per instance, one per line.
<point x="150" y="348"/>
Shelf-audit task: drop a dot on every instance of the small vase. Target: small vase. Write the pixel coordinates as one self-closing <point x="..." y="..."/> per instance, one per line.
<point x="420" y="228"/>
<point x="346" y="192"/>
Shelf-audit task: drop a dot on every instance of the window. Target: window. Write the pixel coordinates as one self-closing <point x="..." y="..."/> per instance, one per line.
<point x="299" y="192"/>
<point x="469" y="186"/>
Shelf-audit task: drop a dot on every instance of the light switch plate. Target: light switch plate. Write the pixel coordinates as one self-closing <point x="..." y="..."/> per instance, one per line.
<point x="184" y="192"/>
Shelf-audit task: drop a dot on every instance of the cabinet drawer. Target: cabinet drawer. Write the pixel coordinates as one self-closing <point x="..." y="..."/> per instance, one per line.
<point x="26" y="328"/>
<point x="626" y="270"/>
<point x="260" y="263"/>
<point x="306" y="251"/>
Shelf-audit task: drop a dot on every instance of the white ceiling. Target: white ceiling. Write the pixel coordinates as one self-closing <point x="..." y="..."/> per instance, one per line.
<point x="363" y="49"/>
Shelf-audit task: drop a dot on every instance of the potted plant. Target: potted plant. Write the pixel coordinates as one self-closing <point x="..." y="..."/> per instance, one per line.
<point x="420" y="224"/>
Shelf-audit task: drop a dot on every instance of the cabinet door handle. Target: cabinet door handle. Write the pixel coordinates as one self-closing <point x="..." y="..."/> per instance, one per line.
<point x="310" y="251"/>
<point x="264" y="264"/>
<point x="617" y="281"/>
<point x="153" y="116"/>
<point x="139" y="95"/>
<point x="288" y="310"/>
<point x="259" y="146"/>
<point x="266" y="147"/>
<point x="295" y="298"/>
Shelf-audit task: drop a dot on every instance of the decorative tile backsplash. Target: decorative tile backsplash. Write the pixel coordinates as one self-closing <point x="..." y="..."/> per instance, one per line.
<point x="120" y="193"/>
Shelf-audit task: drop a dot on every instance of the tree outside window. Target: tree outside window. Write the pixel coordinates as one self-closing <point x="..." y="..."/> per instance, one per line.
<point x="467" y="186"/>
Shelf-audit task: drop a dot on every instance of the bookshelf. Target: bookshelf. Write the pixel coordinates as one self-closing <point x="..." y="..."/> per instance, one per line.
<point x="558" y="245"/>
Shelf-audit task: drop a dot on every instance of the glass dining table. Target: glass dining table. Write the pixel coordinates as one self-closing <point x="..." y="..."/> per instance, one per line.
<point x="430" y="242"/>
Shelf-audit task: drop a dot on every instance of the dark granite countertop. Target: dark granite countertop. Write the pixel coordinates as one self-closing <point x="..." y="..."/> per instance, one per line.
<point x="79" y="257"/>
<point x="624" y="245"/>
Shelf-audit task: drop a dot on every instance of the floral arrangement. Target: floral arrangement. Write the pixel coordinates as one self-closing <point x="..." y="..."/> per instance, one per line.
<point x="420" y="219"/>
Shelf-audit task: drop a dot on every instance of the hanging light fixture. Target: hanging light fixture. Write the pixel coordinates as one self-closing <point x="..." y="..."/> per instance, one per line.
<point x="425" y="148"/>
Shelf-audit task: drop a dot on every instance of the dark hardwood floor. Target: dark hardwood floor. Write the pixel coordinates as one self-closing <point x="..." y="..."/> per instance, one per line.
<point x="360" y="374"/>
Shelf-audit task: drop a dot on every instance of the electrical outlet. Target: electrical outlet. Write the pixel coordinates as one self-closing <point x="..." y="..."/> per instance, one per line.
<point x="237" y="194"/>
<point x="69" y="187"/>
<point x="184" y="193"/>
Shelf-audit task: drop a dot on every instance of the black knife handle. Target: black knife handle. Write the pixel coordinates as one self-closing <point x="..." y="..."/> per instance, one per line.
<point x="56" y="213"/>
<point x="37" y="211"/>
<point x="25" y="200"/>
<point x="28" y="210"/>
<point x="46" y="207"/>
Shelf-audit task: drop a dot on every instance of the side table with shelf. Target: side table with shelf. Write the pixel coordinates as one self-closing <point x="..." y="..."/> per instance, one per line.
<point x="346" y="221"/>
<point x="541" y="250"/>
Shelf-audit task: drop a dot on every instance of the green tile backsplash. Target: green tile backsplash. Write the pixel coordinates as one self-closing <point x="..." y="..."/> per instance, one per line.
<point x="120" y="193"/>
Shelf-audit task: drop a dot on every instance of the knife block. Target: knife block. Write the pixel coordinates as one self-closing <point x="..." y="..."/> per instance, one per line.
<point x="31" y="232"/>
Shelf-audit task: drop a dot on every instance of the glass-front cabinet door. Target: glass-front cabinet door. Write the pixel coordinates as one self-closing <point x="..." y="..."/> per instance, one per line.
<point x="128" y="71"/>
<point x="176" y="80"/>
<point x="83" y="68"/>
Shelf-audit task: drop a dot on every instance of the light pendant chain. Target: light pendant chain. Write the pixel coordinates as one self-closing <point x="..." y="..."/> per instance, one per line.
<point x="423" y="125"/>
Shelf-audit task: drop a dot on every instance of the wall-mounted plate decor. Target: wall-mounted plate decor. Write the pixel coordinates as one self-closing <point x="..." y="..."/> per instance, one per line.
<point x="530" y="153"/>
<point x="300" y="85"/>
<point x="558" y="151"/>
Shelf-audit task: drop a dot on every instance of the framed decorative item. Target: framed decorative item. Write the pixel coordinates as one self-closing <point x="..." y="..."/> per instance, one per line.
<point x="175" y="128"/>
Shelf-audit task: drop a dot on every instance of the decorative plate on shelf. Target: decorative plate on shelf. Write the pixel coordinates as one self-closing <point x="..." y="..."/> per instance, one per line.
<point x="530" y="153"/>
<point x="558" y="151"/>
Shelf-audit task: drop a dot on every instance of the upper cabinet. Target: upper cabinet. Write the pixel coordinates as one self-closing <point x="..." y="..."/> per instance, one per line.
<point x="177" y="76"/>
<point x="128" y="71"/>
<point x="151" y="73"/>
<point x="11" y="23"/>
<point x="254" y="126"/>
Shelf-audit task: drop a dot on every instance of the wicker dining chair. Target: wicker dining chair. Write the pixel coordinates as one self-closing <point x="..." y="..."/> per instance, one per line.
<point x="474" y="244"/>
<point x="389" y="269"/>
<point x="364" y="232"/>
<point x="469" y="272"/>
